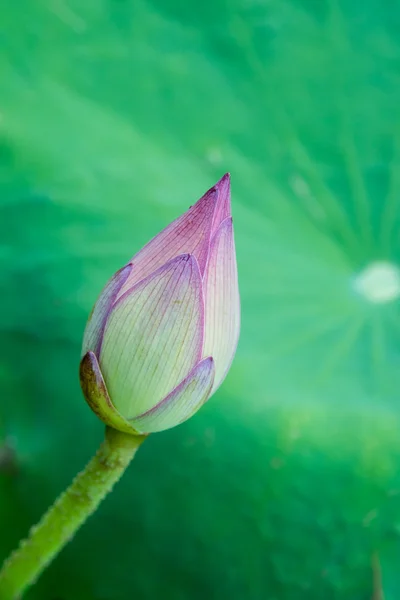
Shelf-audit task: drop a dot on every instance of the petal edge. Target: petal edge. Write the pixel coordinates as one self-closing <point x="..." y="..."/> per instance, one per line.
<point x="223" y="205"/>
<point x="185" y="400"/>
<point x="96" y="323"/>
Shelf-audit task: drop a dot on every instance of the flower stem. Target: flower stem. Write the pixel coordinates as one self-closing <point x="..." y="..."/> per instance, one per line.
<point x="68" y="513"/>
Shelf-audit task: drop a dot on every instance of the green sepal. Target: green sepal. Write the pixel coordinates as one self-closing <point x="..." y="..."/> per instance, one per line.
<point x="96" y="395"/>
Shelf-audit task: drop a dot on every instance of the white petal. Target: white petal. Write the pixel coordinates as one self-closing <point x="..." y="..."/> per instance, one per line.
<point x="153" y="337"/>
<point x="185" y="400"/>
<point x="222" y="303"/>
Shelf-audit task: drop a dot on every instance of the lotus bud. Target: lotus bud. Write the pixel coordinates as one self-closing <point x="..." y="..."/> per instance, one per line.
<point x="163" y="333"/>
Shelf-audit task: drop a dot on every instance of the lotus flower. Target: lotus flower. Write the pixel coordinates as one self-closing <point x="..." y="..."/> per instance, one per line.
<point x="163" y="333"/>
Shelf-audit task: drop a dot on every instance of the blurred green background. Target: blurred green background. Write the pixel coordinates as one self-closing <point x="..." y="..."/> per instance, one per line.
<point x="115" y="116"/>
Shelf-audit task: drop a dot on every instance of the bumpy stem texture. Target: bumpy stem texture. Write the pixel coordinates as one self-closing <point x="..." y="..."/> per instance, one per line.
<point x="68" y="513"/>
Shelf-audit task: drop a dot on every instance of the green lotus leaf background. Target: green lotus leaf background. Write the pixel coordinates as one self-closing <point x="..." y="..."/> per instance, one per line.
<point x="115" y="116"/>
